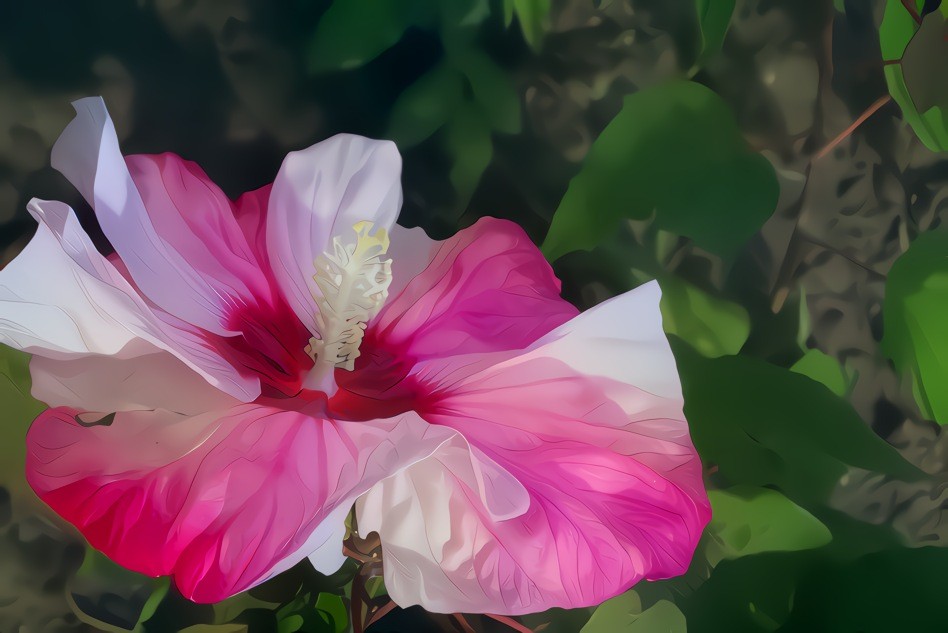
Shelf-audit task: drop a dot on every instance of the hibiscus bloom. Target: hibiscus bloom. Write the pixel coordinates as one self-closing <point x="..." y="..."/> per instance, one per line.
<point x="228" y="383"/>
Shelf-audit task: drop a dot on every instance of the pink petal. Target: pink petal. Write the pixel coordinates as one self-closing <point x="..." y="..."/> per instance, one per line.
<point x="220" y="501"/>
<point x="320" y="193"/>
<point x="614" y="484"/>
<point x="487" y="288"/>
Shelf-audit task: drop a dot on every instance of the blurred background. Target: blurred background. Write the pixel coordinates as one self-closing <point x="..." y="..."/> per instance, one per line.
<point x="778" y="165"/>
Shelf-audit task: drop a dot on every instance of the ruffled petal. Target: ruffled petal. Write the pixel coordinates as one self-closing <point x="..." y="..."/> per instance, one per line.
<point x="61" y="299"/>
<point x="220" y="501"/>
<point x="487" y="288"/>
<point x="601" y="447"/>
<point x="186" y="253"/>
<point x="321" y="193"/>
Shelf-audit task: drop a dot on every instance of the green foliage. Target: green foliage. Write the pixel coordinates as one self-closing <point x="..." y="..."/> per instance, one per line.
<point x="625" y="613"/>
<point x="915" y="69"/>
<point x="713" y="19"/>
<point x="748" y="520"/>
<point x="823" y="369"/>
<point x="673" y="151"/>
<point x="533" y="16"/>
<point x="713" y="326"/>
<point x="352" y="33"/>
<point x="91" y="593"/>
<point x="763" y="425"/>
<point x="915" y="311"/>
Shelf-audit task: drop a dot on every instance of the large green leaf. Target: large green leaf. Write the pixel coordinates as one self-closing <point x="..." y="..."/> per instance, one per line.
<point x="712" y="326"/>
<point x="749" y="520"/>
<point x="915" y="313"/>
<point x="916" y="69"/>
<point x="674" y="150"/>
<point x="763" y="425"/>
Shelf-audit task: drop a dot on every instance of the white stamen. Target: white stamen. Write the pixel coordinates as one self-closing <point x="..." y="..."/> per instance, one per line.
<point x="353" y="282"/>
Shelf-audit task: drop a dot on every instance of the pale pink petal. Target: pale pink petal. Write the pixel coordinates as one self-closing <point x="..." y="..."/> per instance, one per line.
<point x="164" y="259"/>
<point x="220" y="501"/>
<point x="61" y="299"/>
<point x="321" y="193"/>
<point x="487" y="288"/>
<point x="614" y="484"/>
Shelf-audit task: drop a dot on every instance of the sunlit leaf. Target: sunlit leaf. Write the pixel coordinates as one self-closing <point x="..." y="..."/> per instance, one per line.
<point x="823" y="369"/>
<point x="915" y="313"/>
<point x="624" y="613"/>
<point x="712" y="326"/>
<point x="748" y="520"/>
<point x="915" y="71"/>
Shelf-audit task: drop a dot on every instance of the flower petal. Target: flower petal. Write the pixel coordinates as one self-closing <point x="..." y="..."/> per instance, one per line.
<point x="320" y="193"/>
<point x="486" y="288"/>
<point x="153" y="380"/>
<point x="615" y="486"/>
<point x="61" y="299"/>
<point x="222" y="500"/>
<point x="191" y="261"/>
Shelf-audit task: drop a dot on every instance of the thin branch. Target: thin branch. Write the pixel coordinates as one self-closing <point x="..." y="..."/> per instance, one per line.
<point x="910" y="7"/>
<point x="463" y="623"/>
<point x="852" y="128"/>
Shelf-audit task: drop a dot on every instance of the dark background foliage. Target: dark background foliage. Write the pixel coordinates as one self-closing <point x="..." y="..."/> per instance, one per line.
<point x="772" y="162"/>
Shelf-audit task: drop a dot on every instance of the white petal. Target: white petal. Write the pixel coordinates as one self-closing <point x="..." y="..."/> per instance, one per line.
<point x="61" y="299"/>
<point x="88" y="154"/>
<point x="322" y="192"/>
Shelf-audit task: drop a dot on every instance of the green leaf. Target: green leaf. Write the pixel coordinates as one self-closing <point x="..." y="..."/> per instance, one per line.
<point x="624" y="613"/>
<point x="333" y="610"/>
<point x="894" y="590"/>
<point x="353" y="32"/>
<point x="533" y="16"/>
<point x="823" y="369"/>
<point x="110" y="597"/>
<point x="712" y="326"/>
<point x="469" y="143"/>
<point x="674" y="150"/>
<point x="426" y="105"/>
<point x="763" y="425"/>
<point x="713" y="19"/>
<point x="215" y="628"/>
<point x="916" y="73"/>
<point x="915" y="313"/>
<point x="290" y="624"/>
<point x="492" y="90"/>
<point x="19" y="410"/>
<point x="749" y="520"/>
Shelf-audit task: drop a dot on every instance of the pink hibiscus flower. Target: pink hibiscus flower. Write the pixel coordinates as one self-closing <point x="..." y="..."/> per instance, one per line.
<point x="228" y="383"/>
